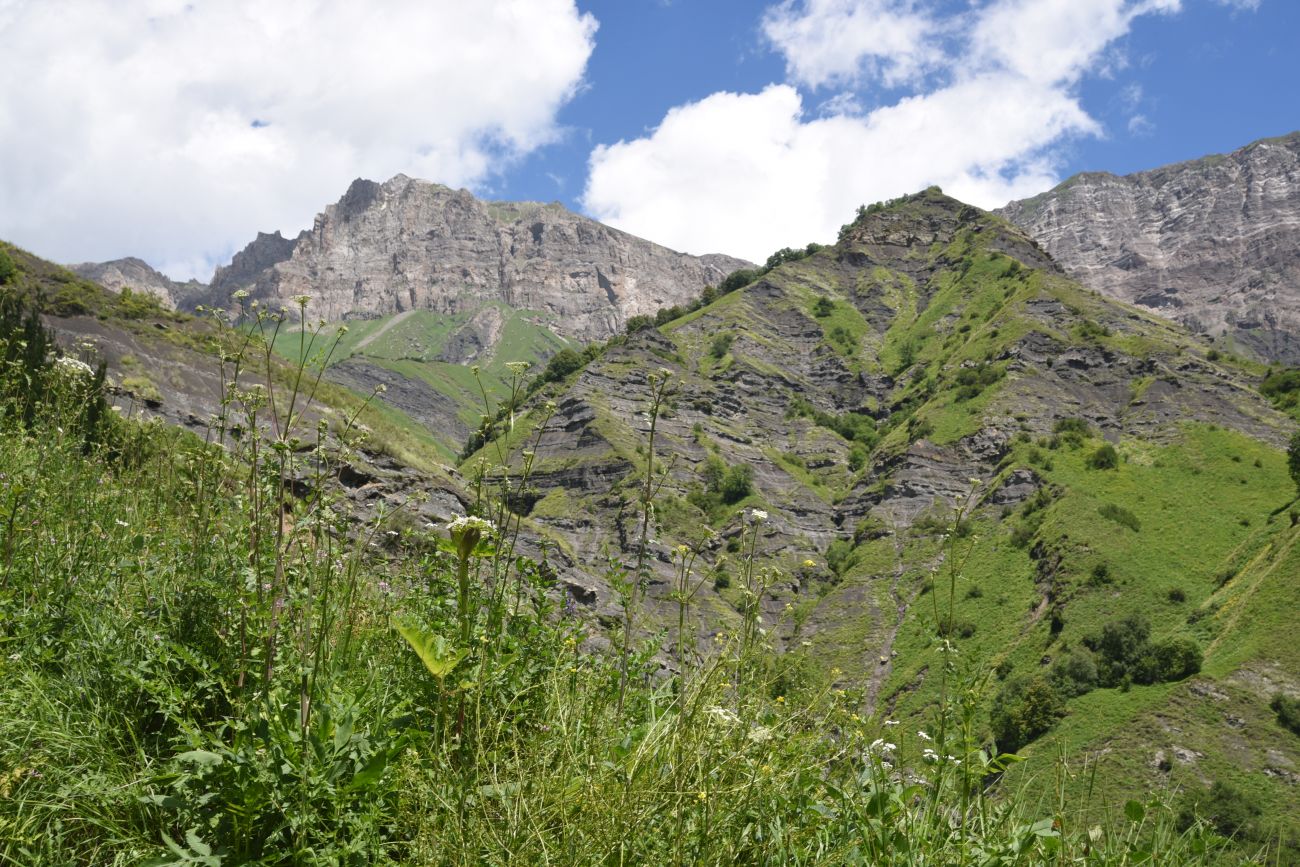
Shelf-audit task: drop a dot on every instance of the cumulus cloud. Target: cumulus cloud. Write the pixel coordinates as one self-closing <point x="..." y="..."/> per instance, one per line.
<point x="842" y="41"/>
<point x="175" y="130"/>
<point x="750" y="173"/>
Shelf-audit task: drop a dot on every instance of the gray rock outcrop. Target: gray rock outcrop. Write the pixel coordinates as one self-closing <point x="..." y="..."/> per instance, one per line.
<point x="1212" y="243"/>
<point x="139" y="276"/>
<point x="408" y="244"/>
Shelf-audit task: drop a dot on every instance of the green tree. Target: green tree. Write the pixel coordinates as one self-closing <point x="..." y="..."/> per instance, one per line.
<point x="1023" y="709"/>
<point x="737" y="483"/>
<point x="7" y="268"/>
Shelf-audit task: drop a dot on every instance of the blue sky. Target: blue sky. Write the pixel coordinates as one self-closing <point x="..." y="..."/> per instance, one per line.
<point x="176" y="130"/>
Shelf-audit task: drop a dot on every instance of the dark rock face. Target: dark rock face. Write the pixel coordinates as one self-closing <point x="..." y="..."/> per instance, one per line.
<point x="412" y="245"/>
<point x="1212" y="243"/>
<point x="138" y="276"/>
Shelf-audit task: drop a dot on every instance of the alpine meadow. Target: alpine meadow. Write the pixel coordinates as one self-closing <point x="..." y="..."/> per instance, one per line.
<point x="458" y="530"/>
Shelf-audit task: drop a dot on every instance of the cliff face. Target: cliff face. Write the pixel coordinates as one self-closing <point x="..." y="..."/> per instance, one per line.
<point x="412" y="245"/>
<point x="1212" y="243"/>
<point x="138" y="276"/>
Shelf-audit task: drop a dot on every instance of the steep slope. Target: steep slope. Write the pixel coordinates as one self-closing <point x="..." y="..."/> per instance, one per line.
<point x="138" y="276"/>
<point x="407" y="244"/>
<point x="1212" y="243"/>
<point x="864" y="387"/>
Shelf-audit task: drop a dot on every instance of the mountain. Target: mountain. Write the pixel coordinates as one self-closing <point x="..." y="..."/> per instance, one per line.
<point x="853" y="395"/>
<point x="407" y="245"/>
<point x="139" y="276"/>
<point x="1212" y="243"/>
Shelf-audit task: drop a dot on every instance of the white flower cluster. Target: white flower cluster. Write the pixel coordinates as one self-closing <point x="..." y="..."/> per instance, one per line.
<point x="470" y="522"/>
<point x="760" y="734"/>
<point x="931" y="756"/>
<point x="72" y="366"/>
<point x="722" y="715"/>
<point x="758" y="516"/>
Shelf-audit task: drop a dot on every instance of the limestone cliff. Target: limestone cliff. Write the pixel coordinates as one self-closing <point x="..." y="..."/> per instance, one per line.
<point x="1213" y="243"/>
<point x="408" y="244"/>
<point x="139" y="276"/>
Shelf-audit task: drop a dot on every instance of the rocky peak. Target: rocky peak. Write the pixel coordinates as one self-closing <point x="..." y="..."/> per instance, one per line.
<point x="1212" y="243"/>
<point x="408" y="244"/>
<point x="138" y="276"/>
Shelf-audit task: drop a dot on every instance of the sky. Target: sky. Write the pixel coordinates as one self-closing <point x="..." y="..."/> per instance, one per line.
<point x="175" y="131"/>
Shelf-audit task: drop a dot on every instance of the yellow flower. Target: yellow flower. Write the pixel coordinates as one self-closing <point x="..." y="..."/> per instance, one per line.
<point x="810" y="564"/>
<point x="780" y="699"/>
<point x="702" y="795"/>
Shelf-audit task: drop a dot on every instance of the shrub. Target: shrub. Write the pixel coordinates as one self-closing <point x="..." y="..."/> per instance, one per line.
<point x="1023" y="709"/>
<point x="1230" y="811"/>
<point x="721" y="345"/>
<point x="1071" y="432"/>
<point x="824" y="307"/>
<point x="1075" y="674"/>
<point x="1176" y="658"/>
<point x="1293" y="460"/>
<point x="1121" y="516"/>
<point x="839" y="556"/>
<point x="1104" y="458"/>
<point x="1176" y="595"/>
<point x="639" y="323"/>
<point x="1288" y="712"/>
<point x="737" y="484"/>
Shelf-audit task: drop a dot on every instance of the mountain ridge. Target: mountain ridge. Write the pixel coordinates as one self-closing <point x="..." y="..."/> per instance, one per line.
<point x="1208" y="242"/>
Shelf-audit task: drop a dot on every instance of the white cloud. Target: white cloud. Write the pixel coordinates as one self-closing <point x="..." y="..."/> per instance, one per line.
<point x="840" y="41"/>
<point x="750" y="173"/>
<point x="175" y="130"/>
<point x="1140" y="126"/>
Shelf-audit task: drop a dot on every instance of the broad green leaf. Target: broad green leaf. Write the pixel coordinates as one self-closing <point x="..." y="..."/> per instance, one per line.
<point x="437" y="654"/>
<point x="1134" y="811"/>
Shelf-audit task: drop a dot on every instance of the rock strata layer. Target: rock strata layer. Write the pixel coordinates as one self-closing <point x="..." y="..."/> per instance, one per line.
<point x="1213" y="243"/>
<point x="408" y="244"/>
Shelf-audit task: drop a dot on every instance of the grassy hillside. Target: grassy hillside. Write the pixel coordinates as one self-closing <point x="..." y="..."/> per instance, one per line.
<point x="206" y="661"/>
<point x="441" y="351"/>
<point x="1122" y="468"/>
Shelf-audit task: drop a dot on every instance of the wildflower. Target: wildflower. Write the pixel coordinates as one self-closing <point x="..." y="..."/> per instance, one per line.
<point x="929" y="755"/>
<point x="975" y="483"/>
<point x="120" y="522"/>
<point x="767" y="769"/>
<point x="923" y="736"/>
<point x="757" y="516"/>
<point x="780" y="699"/>
<point x="883" y="745"/>
<point x="518" y="367"/>
<point x="467" y="531"/>
<point x="302" y="300"/>
<point x="760" y="734"/>
<point x="810" y="564"/>
<point x="72" y="366"/>
<point x="891" y="722"/>
<point x="381" y="388"/>
<point x="721" y="714"/>
<point x="383" y="587"/>
<point x="240" y="294"/>
<point x="702" y="795"/>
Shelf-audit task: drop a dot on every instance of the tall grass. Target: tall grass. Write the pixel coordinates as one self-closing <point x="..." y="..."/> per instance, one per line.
<point x="207" y="659"/>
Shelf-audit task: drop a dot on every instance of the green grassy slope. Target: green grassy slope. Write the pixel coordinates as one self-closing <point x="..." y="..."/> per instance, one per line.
<point x="947" y="346"/>
<point x="419" y="345"/>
